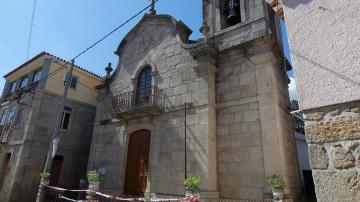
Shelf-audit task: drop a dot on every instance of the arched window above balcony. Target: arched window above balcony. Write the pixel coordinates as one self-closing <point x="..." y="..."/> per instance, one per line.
<point x="143" y="85"/>
<point x="144" y="99"/>
<point x="144" y="78"/>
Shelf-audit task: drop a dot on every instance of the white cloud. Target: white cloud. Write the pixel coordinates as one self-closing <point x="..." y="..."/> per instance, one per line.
<point x="292" y="89"/>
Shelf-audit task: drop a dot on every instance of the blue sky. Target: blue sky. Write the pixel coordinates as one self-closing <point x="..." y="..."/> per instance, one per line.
<point x="292" y="85"/>
<point x="64" y="28"/>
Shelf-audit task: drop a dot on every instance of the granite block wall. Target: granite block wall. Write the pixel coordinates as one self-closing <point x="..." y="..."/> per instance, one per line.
<point x="29" y="143"/>
<point x="333" y="135"/>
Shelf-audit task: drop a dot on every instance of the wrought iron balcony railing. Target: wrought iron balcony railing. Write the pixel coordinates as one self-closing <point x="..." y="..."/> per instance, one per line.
<point x="4" y="133"/>
<point x="139" y="103"/>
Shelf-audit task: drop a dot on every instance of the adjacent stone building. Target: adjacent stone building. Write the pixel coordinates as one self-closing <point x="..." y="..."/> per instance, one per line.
<point x="325" y="42"/>
<point x="29" y="105"/>
<point x="238" y="125"/>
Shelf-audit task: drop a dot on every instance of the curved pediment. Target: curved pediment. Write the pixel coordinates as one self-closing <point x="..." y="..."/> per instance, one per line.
<point x="182" y="30"/>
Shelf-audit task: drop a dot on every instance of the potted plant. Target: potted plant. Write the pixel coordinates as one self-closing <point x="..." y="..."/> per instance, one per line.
<point x="192" y="184"/>
<point x="93" y="177"/>
<point x="277" y="185"/>
<point x="45" y="177"/>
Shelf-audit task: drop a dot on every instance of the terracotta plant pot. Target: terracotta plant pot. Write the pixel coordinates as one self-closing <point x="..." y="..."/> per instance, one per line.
<point x="278" y="194"/>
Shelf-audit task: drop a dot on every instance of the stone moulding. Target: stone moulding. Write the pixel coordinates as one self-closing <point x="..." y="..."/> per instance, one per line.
<point x="317" y="116"/>
<point x="201" y="48"/>
<point x="334" y="129"/>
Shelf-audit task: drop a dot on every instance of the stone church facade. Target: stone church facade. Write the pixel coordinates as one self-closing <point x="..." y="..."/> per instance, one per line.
<point x="238" y="126"/>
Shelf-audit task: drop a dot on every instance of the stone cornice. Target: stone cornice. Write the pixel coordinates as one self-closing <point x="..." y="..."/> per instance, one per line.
<point x="201" y="48"/>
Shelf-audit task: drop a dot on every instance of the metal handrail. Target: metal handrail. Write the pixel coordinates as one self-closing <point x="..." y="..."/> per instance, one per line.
<point x="4" y="133"/>
<point x="138" y="99"/>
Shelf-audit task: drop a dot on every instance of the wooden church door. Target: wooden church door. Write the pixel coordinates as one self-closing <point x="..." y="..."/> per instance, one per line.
<point x="137" y="163"/>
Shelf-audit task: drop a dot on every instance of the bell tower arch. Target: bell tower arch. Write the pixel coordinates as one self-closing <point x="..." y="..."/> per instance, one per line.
<point x="221" y="14"/>
<point x="231" y="13"/>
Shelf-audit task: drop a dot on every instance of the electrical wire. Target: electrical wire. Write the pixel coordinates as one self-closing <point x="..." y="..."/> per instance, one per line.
<point x="138" y="13"/>
<point x="118" y="27"/>
<point x="323" y="67"/>
<point x="97" y="42"/>
<point x="88" y="87"/>
<point x="317" y="64"/>
<point x="31" y="29"/>
<point x="313" y="62"/>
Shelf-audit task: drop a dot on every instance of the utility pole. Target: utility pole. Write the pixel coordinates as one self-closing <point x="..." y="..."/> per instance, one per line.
<point x="56" y="128"/>
<point x="185" y="142"/>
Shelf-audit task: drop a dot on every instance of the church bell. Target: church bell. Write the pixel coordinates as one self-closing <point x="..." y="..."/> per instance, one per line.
<point x="233" y="12"/>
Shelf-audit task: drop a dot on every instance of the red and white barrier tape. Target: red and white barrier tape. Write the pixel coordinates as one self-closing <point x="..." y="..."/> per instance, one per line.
<point x="61" y="189"/>
<point x="193" y="198"/>
<point x="68" y="199"/>
<point x="135" y="199"/>
<point x="186" y="199"/>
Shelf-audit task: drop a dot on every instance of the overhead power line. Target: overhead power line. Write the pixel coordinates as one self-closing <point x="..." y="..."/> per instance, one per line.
<point x="86" y="86"/>
<point x="323" y="67"/>
<point x="315" y="63"/>
<point x="118" y="27"/>
<point x="95" y="43"/>
<point x="31" y="29"/>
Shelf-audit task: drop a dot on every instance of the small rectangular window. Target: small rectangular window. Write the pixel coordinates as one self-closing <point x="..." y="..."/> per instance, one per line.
<point x="37" y="75"/>
<point x="19" y="116"/>
<point x="24" y="81"/>
<point x="3" y="116"/>
<point x="73" y="82"/>
<point x="65" y="118"/>
<point x="11" y="88"/>
<point x="11" y="114"/>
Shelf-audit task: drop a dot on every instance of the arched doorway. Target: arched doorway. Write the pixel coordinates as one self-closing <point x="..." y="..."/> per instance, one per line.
<point x="137" y="163"/>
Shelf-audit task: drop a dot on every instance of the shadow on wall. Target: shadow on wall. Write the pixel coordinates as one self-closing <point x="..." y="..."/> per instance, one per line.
<point x="295" y="3"/>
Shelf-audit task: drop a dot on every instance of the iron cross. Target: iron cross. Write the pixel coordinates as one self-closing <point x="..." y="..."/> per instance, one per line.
<point x="152" y="9"/>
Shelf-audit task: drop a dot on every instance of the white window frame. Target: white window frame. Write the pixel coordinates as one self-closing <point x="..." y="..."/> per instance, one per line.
<point x="40" y="69"/>
<point x="8" y="121"/>
<point x="26" y="77"/>
<point x="19" y="116"/>
<point x="71" y="81"/>
<point x="3" y="116"/>
<point x="66" y="111"/>
<point x="12" y="88"/>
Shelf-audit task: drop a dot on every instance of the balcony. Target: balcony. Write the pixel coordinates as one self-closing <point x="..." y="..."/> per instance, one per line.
<point x="4" y="133"/>
<point x="140" y="103"/>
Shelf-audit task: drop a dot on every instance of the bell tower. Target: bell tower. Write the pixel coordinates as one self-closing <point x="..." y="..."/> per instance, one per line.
<point x="254" y="135"/>
<point x="221" y="14"/>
